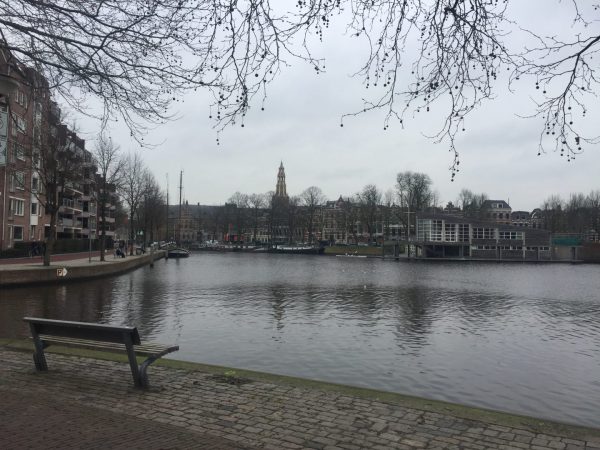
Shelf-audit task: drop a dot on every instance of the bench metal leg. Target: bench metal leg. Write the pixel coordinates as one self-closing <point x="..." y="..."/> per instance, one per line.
<point x="144" y="366"/>
<point x="132" y="360"/>
<point x="39" y="358"/>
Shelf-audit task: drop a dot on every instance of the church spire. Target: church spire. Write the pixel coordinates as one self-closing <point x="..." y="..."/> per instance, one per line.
<point x="280" y="189"/>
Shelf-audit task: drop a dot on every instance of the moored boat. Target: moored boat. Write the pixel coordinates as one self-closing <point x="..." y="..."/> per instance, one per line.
<point x="299" y="250"/>
<point x="178" y="252"/>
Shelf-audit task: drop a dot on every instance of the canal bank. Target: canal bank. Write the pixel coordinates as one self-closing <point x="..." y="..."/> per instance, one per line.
<point x="268" y="411"/>
<point x="62" y="271"/>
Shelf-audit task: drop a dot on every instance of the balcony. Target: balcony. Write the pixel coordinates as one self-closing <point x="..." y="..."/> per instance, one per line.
<point x="70" y="206"/>
<point x="74" y="188"/>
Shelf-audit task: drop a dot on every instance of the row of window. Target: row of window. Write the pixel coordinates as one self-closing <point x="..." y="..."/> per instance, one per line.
<point x="510" y="235"/>
<point x="16" y="206"/>
<point x="508" y="247"/>
<point x="498" y="216"/>
<point x="15" y="232"/>
<point x="484" y="233"/>
<point x="431" y="230"/>
<point x="17" y="182"/>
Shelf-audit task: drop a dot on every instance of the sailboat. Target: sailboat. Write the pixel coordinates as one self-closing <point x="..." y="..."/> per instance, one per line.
<point x="177" y="251"/>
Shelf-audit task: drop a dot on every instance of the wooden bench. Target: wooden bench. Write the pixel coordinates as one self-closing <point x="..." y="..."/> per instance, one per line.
<point x="95" y="336"/>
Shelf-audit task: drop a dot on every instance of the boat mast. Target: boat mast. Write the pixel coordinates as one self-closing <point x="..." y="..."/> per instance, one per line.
<point x="179" y="220"/>
<point x="167" y="227"/>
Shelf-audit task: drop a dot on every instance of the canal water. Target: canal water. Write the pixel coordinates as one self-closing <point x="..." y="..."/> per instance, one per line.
<point x="513" y="337"/>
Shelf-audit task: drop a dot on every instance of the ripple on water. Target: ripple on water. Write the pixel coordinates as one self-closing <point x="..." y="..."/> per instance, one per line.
<point x="511" y="337"/>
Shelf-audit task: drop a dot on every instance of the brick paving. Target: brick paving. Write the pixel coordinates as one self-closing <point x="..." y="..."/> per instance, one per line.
<point x="195" y="411"/>
<point x="45" y="421"/>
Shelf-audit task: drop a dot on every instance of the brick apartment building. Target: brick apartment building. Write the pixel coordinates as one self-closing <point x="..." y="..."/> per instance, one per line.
<point x="25" y="114"/>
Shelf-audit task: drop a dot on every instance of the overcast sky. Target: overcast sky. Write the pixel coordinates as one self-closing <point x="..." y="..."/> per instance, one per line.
<point x="301" y="127"/>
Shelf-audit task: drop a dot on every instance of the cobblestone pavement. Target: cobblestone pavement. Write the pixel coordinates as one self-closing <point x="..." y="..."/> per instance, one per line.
<point x="257" y="414"/>
<point x="45" y="421"/>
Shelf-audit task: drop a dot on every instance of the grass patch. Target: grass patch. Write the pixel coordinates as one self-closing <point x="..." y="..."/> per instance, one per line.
<point x="353" y="250"/>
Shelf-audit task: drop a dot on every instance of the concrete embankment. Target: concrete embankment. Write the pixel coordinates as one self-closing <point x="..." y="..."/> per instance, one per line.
<point x="78" y="269"/>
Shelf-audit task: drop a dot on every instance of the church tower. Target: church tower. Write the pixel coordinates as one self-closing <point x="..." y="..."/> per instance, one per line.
<point x="279" y="210"/>
<point x="280" y="189"/>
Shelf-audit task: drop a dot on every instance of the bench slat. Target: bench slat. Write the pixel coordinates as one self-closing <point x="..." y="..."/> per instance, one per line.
<point x="143" y="349"/>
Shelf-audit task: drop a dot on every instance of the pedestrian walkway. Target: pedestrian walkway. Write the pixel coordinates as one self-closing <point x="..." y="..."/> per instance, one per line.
<point x="63" y="258"/>
<point x="81" y="397"/>
<point x="49" y="422"/>
<point x="69" y="267"/>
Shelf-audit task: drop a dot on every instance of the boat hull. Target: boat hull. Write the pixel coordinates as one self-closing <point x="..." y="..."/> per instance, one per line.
<point x="178" y="253"/>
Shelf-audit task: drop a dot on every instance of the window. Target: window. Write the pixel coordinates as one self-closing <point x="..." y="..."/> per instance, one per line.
<point x="32" y="233"/>
<point x="484" y="233"/>
<point x="17" y="233"/>
<point x="436" y="230"/>
<point x="18" y="125"/>
<point x="463" y="232"/>
<point x="18" y="151"/>
<point x="34" y="209"/>
<point x="21" y="98"/>
<point x="38" y="113"/>
<point x="483" y="247"/>
<point x="17" y="181"/>
<point x="510" y="235"/>
<point x="423" y="229"/>
<point x="34" y="184"/>
<point x="450" y="232"/>
<point x="16" y="206"/>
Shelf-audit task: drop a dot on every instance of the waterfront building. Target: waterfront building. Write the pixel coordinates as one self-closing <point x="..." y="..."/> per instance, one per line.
<point x="335" y="221"/>
<point x="29" y="121"/>
<point x="497" y="211"/>
<point x="445" y="236"/>
<point x="20" y="213"/>
<point x="520" y="219"/>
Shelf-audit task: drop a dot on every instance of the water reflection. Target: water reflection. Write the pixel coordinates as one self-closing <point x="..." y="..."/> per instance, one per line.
<point x="514" y="337"/>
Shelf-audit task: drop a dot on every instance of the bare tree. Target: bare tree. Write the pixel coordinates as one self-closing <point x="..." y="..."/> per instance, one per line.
<point x="139" y="55"/>
<point x="256" y="202"/>
<point x="552" y="213"/>
<point x="133" y="189"/>
<point x="414" y="190"/>
<point x="471" y="202"/>
<point x="240" y="214"/>
<point x="150" y="213"/>
<point x="350" y="210"/>
<point x="369" y="200"/>
<point x="387" y="211"/>
<point x="110" y="173"/>
<point x="130" y="55"/>
<point x="294" y="218"/>
<point x="311" y="199"/>
<point x="57" y="155"/>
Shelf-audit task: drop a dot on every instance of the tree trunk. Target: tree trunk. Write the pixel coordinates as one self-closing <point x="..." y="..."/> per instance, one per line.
<point x="51" y="238"/>
<point x="131" y="235"/>
<point x="103" y="228"/>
